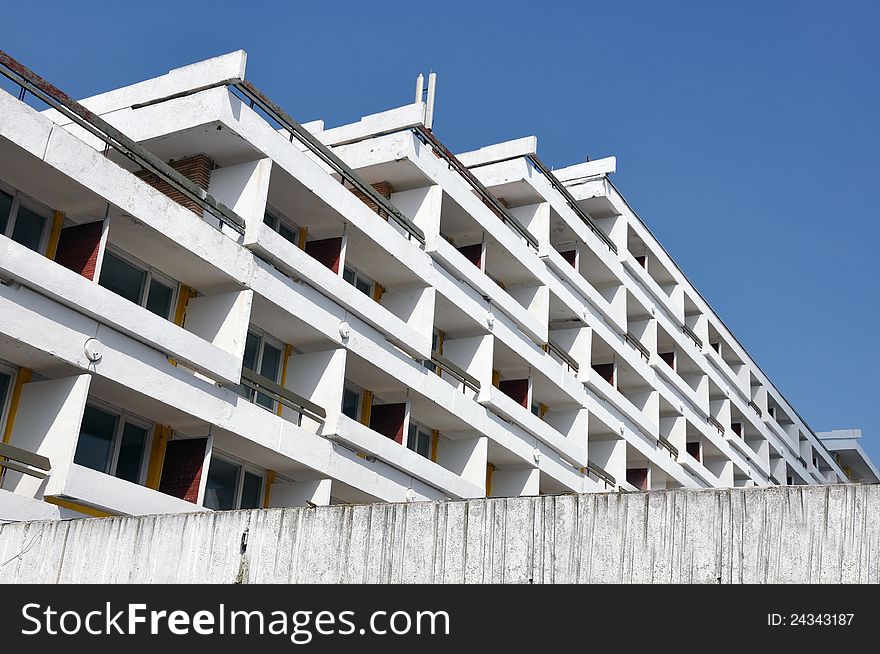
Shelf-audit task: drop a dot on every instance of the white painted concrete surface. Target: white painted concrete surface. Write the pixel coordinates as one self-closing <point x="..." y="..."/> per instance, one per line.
<point x="819" y="534"/>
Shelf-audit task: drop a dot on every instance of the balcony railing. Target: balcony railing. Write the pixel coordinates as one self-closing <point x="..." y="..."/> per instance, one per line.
<point x="755" y="408"/>
<point x="456" y="372"/>
<point x="427" y="137"/>
<point x="669" y="447"/>
<point x="563" y="355"/>
<point x="714" y="422"/>
<point x="283" y="396"/>
<point x="567" y="196"/>
<point x="690" y="334"/>
<point x="29" y="82"/>
<point x="23" y="461"/>
<point x="637" y="345"/>
<point x="258" y="99"/>
<point x="601" y="473"/>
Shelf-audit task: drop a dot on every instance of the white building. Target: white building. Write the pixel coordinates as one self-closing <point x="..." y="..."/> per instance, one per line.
<point x="297" y="314"/>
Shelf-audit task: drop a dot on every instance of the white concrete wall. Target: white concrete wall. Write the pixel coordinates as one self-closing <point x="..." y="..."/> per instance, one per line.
<point x="818" y="535"/>
<point x="300" y="493"/>
<point x="222" y="319"/>
<point x="47" y="423"/>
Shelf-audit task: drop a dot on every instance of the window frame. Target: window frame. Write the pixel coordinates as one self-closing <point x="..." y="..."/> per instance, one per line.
<point x="149" y="273"/>
<point x="358" y="275"/>
<point x="243" y="467"/>
<point x="124" y="417"/>
<point x="419" y="427"/>
<point x="21" y="199"/>
<point x="6" y="402"/>
<point x="264" y="337"/>
<point x="357" y="390"/>
<point x="281" y="219"/>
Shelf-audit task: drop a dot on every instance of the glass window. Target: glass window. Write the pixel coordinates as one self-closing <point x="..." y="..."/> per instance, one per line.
<point x="363" y="286"/>
<point x="5" y="208"/>
<point x="221" y="485"/>
<point x="230" y="487"/>
<point x="419" y="440"/>
<point x="359" y="281"/>
<point x="131" y="452"/>
<point x="28" y="229"/>
<point x="122" y="278"/>
<point x="265" y="359"/>
<point x="278" y="225"/>
<point x="5" y="382"/>
<point x="351" y="403"/>
<point x="270" y="367"/>
<point x="159" y="298"/>
<point x="288" y="233"/>
<point x="251" y="491"/>
<point x="251" y="351"/>
<point x="104" y="436"/>
<point x="95" y="445"/>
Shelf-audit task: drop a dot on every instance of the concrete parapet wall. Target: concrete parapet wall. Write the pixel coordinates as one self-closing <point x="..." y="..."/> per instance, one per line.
<point x="809" y="534"/>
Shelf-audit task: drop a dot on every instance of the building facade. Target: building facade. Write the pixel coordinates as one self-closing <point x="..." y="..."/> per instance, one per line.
<point x="206" y="305"/>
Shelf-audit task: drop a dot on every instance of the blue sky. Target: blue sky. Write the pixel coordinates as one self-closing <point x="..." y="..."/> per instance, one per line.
<point x="746" y="133"/>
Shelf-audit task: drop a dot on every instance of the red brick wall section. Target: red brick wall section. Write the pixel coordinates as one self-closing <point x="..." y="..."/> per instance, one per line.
<point x="327" y="251"/>
<point x="387" y="419"/>
<point x="182" y="470"/>
<point x="196" y="168"/>
<point x="516" y="389"/>
<point x="384" y="188"/>
<point x="78" y="248"/>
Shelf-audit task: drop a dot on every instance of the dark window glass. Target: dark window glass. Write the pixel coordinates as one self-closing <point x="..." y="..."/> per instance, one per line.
<point x="351" y="403"/>
<point x="131" y="453"/>
<point x="419" y="441"/>
<point x="363" y="286"/>
<point x="28" y="229"/>
<point x="5" y="208"/>
<point x="122" y="278"/>
<point x="250" y="491"/>
<point x="270" y="366"/>
<point x="287" y="233"/>
<point x="159" y="298"/>
<point x="221" y="484"/>
<point x="423" y="446"/>
<point x="270" y="220"/>
<point x="4" y="388"/>
<point x="251" y="351"/>
<point x="95" y="442"/>
<point x="348" y="275"/>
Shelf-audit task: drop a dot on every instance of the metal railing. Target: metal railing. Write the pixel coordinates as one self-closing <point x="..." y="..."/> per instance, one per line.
<point x="258" y="99"/>
<point x="714" y="422"/>
<point x="690" y="334"/>
<point x="585" y="217"/>
<point x="755" y="408"/>
<point x="23" y="461"/>
<point x="601" y="473"/>
<point x="427" y="137"/>
<point x="560" y="188"/>
<point x="562" y="354"/>
<point x="30" y="82"/>
<point x="454" y="371"/>
<point x="282" y="395"/>
<point x="669" y="447"/>
<point x="637" y="345"/>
